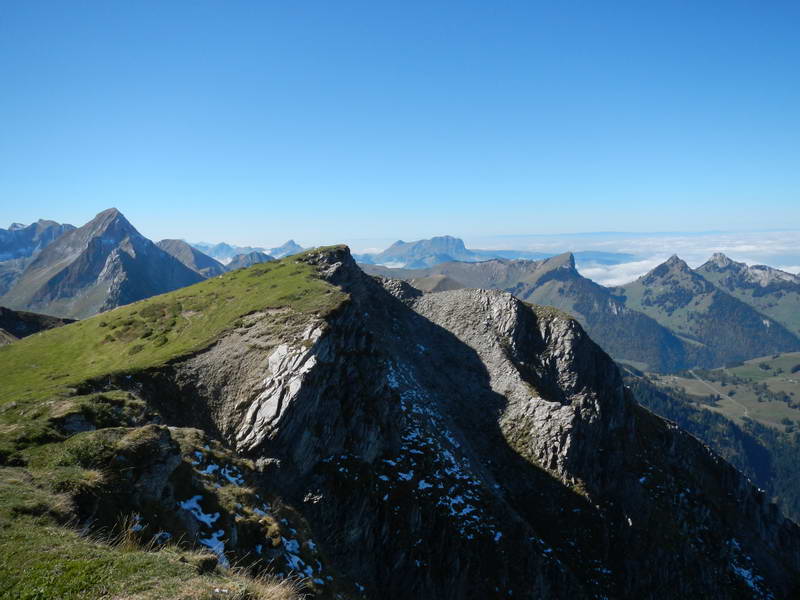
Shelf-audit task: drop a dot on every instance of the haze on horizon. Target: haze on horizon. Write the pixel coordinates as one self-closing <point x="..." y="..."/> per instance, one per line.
<point x="255" y="122"/>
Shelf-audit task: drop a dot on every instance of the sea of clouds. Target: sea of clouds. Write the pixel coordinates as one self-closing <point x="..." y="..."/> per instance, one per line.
<point x="779" y="249"/>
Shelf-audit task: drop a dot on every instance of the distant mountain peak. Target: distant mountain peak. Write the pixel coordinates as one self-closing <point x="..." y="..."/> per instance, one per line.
<point x="675" y="261"/>
<point x="565" y="261"/>
<point x="287" y="249"/>
<point x="719" y="259"/>
<point x="110" y="218"/>
<point x="101" y="265"/>
<point x="16" y="226"/>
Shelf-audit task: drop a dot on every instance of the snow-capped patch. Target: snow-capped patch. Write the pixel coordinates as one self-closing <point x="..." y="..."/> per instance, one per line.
<point x="193" y="506"/>
<point x="232" y="475"/>
<point x="216" y="545"/>
<point x="137" y="523"/>
<point x="209" y="470"/>
<point x="742" y="566"/>
<point x="162" y="537"/>
<point x="424" y="484"/>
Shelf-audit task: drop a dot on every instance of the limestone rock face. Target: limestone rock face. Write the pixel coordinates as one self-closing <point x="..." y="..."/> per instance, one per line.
<point x="464" y="444"/>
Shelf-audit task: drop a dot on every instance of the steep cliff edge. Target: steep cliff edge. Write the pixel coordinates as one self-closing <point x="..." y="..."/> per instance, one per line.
<point x="453" y="445"/>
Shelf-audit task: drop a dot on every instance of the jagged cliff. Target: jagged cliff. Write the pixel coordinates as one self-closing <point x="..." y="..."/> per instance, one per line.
<point x="390" y="444"/>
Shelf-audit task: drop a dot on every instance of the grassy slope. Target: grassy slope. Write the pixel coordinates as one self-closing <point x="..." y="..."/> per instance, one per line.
<point x="41" y="559"/>
<point x="154" y="331"/>
<point x="40" y="555"/>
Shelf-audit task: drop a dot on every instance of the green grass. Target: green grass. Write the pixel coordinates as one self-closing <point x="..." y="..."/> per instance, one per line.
<point x="157" y="330"/>
<point x="42" y="559"/>
<point x="49" y="473"/>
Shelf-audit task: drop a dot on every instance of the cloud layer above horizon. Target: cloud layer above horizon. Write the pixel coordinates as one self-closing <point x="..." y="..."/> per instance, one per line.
<point x="779" y="249"/>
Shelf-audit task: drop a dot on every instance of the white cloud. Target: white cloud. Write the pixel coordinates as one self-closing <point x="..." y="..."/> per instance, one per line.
<point x="618" y="274"/>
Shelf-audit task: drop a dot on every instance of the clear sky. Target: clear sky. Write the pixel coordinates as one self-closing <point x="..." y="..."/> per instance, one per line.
<point x="252" y="122"/>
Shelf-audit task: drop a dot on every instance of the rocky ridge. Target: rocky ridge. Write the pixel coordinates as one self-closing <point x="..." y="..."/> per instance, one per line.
<point x="452" y="445"/>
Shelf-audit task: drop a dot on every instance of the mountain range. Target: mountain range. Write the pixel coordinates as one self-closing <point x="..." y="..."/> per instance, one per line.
<point x="303" y="419"/>
<point x="773" y="292"/>
<point x="19" y="245"/>
<point x="427" y="253"/>
<point x="101" y="265"/>
<point x="669" y="319"/>
<point x="224" y="252"/>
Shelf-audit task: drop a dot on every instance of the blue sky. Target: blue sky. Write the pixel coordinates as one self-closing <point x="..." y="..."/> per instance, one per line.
<point x="252" y="122"/>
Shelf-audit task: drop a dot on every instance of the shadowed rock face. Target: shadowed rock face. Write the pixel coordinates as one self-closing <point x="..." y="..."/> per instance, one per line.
<point x="104" y="264"/>
<point x="465" y="445"/>
<point x="19" y="324"/>
<point x="624" y="333"/>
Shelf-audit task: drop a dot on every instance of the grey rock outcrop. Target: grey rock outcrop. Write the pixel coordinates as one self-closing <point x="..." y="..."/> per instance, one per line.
<point x="466" y="445"/>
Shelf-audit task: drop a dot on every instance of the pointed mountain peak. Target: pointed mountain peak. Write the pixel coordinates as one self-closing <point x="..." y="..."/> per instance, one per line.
<point x="560" y="267"/>
<point x="719" y="262"/>
<point x="674" y="264"/>
<point x="719" y="259"/>
<point x="109" y="213"/>
<point x="561" y="261"/>
<point x="109" y="218"/>
<point x="676" y="261"/>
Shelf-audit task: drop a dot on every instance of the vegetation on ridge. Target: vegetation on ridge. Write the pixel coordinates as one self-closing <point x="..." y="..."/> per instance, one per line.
<point x="54" y="474"/>
<point x="160" y="329"/>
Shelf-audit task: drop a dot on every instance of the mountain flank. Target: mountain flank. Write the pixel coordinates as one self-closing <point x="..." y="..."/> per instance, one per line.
<point x="303" y="417"/>
<point x="626" y="334"/>
<point x="700" y="312"/>
<point x="191" y="257"/>
<point x="20" y="241"/>
<point x="19" y="245"/>
<point x="104" y="264"/>
<point x="772" y="292"/>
